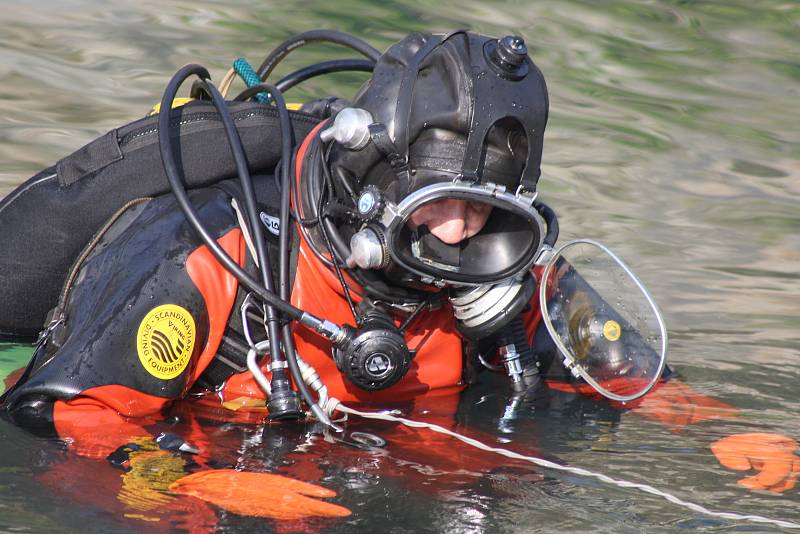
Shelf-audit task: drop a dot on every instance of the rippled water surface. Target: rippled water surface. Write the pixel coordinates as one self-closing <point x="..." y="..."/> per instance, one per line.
<point x="673" y="138"/>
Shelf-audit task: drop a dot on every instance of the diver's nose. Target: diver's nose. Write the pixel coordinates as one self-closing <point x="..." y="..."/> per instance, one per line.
<point x="452" y="222"/>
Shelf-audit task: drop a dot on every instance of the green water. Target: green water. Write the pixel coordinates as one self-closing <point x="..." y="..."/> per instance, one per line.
<point x="673" y="138"/>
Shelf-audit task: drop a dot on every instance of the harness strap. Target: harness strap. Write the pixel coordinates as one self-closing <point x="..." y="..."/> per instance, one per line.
<point x="231" y="358"/>
<point x="392" y="154"/>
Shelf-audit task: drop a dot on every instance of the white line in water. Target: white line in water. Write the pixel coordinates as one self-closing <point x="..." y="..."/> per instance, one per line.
<point x="335" y="405"/>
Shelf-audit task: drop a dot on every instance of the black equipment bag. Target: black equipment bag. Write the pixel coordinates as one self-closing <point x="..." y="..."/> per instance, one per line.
<point x="46" y="221"/>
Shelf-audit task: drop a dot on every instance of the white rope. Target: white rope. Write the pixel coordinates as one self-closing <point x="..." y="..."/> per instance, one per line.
<point x="335" y="405"/>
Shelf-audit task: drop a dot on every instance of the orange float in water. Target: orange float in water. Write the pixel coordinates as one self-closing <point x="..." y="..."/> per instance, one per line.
<point x="772" y="455"/>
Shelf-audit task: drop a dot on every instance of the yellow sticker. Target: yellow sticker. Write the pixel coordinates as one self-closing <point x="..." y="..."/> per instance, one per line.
<point x="165" y="341"/>
<point x="612" y="330"/>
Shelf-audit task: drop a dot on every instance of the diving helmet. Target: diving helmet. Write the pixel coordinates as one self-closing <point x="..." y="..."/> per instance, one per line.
<point x="456" y="119"/>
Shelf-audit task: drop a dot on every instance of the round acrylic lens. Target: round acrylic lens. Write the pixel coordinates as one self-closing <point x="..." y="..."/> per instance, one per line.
<point x="603" y="320"/>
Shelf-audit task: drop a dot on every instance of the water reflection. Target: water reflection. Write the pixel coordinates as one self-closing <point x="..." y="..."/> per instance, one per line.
<point x="672" y="137"/>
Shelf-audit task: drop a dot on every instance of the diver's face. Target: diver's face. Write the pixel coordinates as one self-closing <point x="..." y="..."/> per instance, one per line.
<point x="451" y="220"/>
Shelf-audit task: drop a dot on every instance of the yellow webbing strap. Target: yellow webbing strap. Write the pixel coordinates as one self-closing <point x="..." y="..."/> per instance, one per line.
<point x="178" y="102"/>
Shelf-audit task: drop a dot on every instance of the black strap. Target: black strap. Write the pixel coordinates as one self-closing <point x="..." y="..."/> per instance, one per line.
<point x="93" y="157"/>
<point x="387" y="147"/>
<point x="231" y="359"/>
<point x="402" y="114"/>
<point x="397" y="160"/>
<point x="491" y="88"/>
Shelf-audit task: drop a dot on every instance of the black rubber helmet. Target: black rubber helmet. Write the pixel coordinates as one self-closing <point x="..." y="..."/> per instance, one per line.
<point x="454" y="116"/>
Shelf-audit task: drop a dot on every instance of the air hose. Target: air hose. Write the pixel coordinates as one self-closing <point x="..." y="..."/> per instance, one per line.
<point x="306" y="73"/>
<point x="250" y="77"/>
<point x="551" y="221"/>
<point x="283" y="401"/>
<point x="174" y="176"/>
<point x="324" y="67"/>
<point x="302" y="39"/>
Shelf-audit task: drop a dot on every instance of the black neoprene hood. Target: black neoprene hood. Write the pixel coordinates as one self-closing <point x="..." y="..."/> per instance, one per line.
<point x="462" y="104"/>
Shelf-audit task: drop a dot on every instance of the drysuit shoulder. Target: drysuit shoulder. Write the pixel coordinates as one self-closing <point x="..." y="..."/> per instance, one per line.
<point x="131" y="321"/>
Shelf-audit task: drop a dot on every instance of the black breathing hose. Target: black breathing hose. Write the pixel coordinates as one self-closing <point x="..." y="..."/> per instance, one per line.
<point x="334" y="260"/>
<point x="306" y="73"/>
<point x="325" y="67"/>
<point x="287" y="149"/>
<point x="251" y="212"/>
<point x="175" y="178"/>
<point x="340" y="248"/>
<point x="302" y="39"/>
<point x="550" y="219"/>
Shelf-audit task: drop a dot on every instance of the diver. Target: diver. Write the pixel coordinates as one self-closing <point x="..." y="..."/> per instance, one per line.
<point x="375" y="251"/>
<point x="415" y="226"/>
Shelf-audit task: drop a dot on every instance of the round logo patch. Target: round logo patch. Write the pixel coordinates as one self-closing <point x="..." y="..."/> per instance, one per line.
<point x="612" y="330"/>
<point x="165" y="340"/>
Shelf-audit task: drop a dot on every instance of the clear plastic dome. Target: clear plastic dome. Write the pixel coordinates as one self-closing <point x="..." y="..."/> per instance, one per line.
<point x="603" y="321"/>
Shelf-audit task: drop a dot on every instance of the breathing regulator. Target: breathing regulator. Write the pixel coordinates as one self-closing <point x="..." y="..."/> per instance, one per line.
<point x="375" y="355"/>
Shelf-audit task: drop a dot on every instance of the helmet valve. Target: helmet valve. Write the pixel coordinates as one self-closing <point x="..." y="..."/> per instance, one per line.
<point x="367" y="250"/>
<point x="350" y="128"/>
<point x="375" y="355"/>
<point x="508" y="56"/>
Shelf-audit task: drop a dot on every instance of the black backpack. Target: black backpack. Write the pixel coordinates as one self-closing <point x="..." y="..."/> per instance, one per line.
<point x="48" y="220"/>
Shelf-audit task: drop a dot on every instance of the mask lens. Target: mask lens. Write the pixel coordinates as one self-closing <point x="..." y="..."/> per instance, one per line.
<point x="603" y="320"/>
<point x="475" y="239"/>
<point x="451" y="220"/>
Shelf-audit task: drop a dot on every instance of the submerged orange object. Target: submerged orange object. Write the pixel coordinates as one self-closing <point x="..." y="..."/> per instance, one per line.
<point x="772" y="455"/>
<point x="259" y="494"/>
<point x="677" y="405"/>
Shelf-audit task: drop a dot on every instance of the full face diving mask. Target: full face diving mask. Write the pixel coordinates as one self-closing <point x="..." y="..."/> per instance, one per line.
<point x="457" y="117"/>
